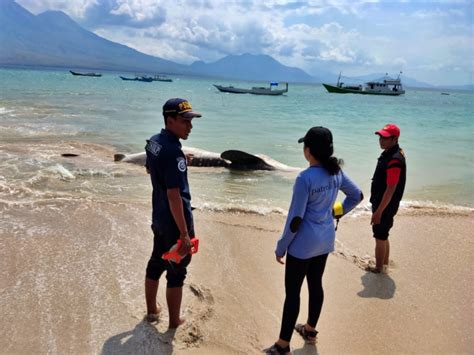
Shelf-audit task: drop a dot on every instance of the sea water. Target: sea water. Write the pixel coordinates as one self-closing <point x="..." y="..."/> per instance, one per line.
<point x="46" y="113"/>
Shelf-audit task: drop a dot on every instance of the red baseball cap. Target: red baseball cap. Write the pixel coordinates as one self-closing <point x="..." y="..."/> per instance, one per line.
<point x="389" y="130"/>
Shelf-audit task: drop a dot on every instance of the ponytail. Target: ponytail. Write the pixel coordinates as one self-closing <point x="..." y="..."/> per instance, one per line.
<point x="328" y="162"/>
<point x="332" y="165"/>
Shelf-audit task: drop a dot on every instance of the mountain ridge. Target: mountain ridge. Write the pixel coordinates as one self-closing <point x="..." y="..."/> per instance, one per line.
<point x="249" y="67"/>
<point x="53" y="40"/>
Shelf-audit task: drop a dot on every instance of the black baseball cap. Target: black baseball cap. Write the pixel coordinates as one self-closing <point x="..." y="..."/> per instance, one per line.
<point x="180" y="107"/>
<point x="319" y="139"/>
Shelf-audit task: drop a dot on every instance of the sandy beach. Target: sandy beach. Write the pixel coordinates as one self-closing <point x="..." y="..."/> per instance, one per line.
<point x="86" y="82"/>
<point x="65" y="288"/>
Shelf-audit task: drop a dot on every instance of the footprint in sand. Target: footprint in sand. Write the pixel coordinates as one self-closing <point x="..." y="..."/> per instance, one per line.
<point x="361" y="262"/>
<point x="197" y="308"/>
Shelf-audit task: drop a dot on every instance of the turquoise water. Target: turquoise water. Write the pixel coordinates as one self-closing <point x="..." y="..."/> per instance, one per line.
<point x="41" y="107"/>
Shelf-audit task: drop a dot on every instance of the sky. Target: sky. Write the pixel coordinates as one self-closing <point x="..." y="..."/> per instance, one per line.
<point x="431" y="41"/>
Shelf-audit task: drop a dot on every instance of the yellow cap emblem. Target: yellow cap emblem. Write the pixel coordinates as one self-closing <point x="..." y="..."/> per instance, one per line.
<point x="184" y="106"/>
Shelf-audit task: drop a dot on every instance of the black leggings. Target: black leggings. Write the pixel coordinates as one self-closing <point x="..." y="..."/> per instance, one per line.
<point x="295" y="272"/>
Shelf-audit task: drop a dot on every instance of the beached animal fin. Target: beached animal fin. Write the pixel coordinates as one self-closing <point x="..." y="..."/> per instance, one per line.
<point x="245" y="161"/>
<point x="119" y="157"/>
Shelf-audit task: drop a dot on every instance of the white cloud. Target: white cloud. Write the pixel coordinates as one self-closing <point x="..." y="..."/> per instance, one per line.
<point x="358" y="36"/>
<point x="338" y="55"/>
<point x="141" y="10"/>
<point x="426" y="14"/>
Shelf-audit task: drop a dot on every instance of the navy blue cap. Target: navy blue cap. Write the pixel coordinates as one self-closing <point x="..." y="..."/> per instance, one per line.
<point x="180" y="107"/>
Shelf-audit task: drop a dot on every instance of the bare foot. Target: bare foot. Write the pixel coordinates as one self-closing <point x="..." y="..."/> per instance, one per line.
<point x="373" y="269"/>
<point x="154" y="317"/>
<point x="174" y="325"/>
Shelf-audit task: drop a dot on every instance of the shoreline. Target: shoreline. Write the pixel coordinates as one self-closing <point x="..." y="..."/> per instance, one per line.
<point x="72" y="281"/>
<point x="215" y="189"/>
<point x="407" y="208"/>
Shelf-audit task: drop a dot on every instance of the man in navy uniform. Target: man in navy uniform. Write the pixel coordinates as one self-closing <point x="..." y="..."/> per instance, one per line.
<point x="388" y="184"/>
<point x="172" y="216"/>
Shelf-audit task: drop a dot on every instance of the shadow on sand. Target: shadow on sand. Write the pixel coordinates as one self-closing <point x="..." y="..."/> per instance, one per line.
<point x="144" y="339"/>
<point x="377" y="285"/>
<point x="307" y="349"/>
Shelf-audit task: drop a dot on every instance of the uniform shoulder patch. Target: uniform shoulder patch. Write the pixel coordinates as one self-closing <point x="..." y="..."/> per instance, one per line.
<point x="181" y="164"/>
<point x="153" y="147"/>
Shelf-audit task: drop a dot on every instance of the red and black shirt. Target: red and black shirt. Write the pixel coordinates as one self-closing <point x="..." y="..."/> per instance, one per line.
<point x="390" y="171"/>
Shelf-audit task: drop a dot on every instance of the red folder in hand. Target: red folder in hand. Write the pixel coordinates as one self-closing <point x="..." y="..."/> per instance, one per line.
<point x="173" y="255"/>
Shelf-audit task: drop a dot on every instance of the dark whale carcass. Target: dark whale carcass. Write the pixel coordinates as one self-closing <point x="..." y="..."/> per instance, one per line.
<point x="231" y="159"/>
<point x="194" y="157"/>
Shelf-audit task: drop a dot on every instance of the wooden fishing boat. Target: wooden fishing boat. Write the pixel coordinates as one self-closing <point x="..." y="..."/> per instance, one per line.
<point x="254" y="90"/>
<point x="386" y="86"/>
<point x="84" y="74"/>
<point x="137" y="78"/>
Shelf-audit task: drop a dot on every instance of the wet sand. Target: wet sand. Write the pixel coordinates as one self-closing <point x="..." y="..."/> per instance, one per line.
<point x="71" y="281"/>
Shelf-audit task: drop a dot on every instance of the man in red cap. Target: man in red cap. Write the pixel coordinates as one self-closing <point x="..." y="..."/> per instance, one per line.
<point x="388" y="184"/>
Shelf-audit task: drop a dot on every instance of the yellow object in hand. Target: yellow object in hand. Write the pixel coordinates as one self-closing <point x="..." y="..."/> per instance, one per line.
<point x="337" y="210"/>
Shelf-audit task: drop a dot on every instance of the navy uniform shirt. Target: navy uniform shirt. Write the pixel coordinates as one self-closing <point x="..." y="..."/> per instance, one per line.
<point x="166" y="164"/>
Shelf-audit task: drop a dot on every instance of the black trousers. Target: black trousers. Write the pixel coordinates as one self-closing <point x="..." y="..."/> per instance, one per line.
<point x="295" y="272"/>
<point x="175" y="273"/>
